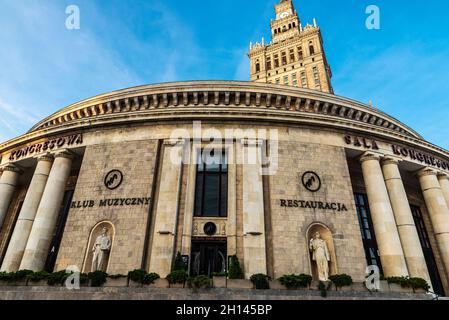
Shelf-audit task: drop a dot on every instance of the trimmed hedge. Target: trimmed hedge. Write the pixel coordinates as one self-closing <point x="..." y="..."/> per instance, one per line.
<point x="199" y="282"/>
<point x="177" y="276"/>
<point x="294" y="281"/>
<point x="260" y="281"/>
<point x="137" y="275"/>
<point x="97" y="278"/>
<point x="38" y="276"/>
<point x="407" y="282"/>
<point x="150" y="278"/>
<point x="235" y="271"/>
<point x="341" y="280"/>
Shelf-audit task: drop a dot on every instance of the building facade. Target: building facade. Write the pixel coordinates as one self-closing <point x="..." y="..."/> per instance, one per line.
<point x="213" y="169"/>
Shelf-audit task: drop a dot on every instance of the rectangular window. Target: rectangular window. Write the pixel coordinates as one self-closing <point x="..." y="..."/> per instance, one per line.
<point x="303" y="79"/>
<point x="300" y="54"/>
<point x="294" y="80"/>
<point x="292" y="56"/>
<point x="316" y="76"/>
<point x="211" y="191"/>
<point x="268" y="63"/>
<point x="278" y="81"/>
<point x="276" y="61"/>
<point x="367" y="230"/>
<point x="312" y="50"/>
<point x="427" y="250"/>
<point x="286" y="80"/>
<point x="284" y="58"/>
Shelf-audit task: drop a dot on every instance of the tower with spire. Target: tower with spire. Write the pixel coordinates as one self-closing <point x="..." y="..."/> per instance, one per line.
<point x="295" y="56"/>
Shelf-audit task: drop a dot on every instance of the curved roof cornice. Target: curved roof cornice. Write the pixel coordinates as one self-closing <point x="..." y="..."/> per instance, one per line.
<point x="223" y="101"/>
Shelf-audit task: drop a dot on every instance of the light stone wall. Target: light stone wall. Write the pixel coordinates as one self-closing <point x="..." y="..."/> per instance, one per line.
<point x="301" y="149"/>
<point x="290" y="246"/>
<point x="136" y="160"/>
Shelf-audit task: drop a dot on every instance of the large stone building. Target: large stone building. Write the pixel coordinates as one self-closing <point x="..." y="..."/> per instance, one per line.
<point x="295" y="56"/>
<point x="135" y="163"/>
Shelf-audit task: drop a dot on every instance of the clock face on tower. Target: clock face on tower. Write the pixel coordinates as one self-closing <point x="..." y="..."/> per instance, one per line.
<point x="284" y="14"/>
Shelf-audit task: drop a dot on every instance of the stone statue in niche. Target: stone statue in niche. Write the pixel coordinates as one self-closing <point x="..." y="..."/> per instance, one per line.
<point x="100" y="250"/>
<point x="321" y="256"/>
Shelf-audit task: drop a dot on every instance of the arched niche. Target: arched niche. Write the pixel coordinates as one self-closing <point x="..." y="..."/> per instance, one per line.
<point x="326" y="235"/>
<point x="94" y="233"/>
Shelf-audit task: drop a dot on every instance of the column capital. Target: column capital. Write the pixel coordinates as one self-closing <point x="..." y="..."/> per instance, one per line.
<point x="426" y="172"/>
<point x="443" y="175"/>
<point x="12" y="168"/>
<point x="66" y="153"/>
<point x="45" y="157"/>
<point x="390" y="160"/>
<point x="369" y="156"/>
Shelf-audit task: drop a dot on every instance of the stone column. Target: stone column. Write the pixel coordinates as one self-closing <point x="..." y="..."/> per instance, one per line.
<point x="414" y="256"/>
<point x="190" y="200"/>
<point x="438" y="211"/>
<point x="231" y="230"/>
<point x="27" y="214"/>
<point x="166" y="214"/>
<point x="254" y="253"/>
<point x="39" y="241"/>
<point x="443" y="179"/>
<point x="8" y="183"/>
<point x="388" y="241"/>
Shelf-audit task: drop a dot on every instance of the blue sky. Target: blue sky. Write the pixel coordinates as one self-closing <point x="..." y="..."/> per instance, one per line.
<point x="403" y="68"/>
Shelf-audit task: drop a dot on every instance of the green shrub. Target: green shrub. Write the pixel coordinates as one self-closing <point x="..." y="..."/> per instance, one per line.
<point x="235" y="272"/>
<point x="294" y="281"/>
<point x="341" y="280"/>
<point x="398" y="280"/>
<point x="178" y="276"/>
<point x="84" y="278"/>
<point x="97" y="278"/>
<point x="419" y="283"/>
<point x="323" y="287"/>
<point x="407" y="282"/>
<point x="137" y="275"/>
<point x="199" y="282"/>
<point x="57" y="278"/>
<point x="150" y="278"/>
<point x="6" y="276"/>
<point x="38" y="276"/>
<point x="20" y="275"/>
<point x="178" y="264"/>
<point x="260" y="281"/>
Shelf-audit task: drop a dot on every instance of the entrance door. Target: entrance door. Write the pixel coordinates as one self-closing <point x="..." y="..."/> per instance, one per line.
<point x="208" y="257"/>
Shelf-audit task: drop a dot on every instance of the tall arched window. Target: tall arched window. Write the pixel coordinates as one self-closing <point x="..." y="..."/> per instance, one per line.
<point x="312" y="50"/>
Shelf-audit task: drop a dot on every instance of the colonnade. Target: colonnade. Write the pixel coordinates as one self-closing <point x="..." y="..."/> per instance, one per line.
<point x="399" y="245"/>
